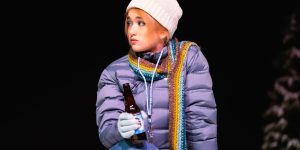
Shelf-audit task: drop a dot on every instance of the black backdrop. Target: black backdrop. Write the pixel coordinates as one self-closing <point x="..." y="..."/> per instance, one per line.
<point x="55" y="53"/>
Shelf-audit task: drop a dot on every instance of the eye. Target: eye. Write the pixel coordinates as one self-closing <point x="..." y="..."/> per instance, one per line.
<point x="129" y="22"/>
<point x="141" y="23"/>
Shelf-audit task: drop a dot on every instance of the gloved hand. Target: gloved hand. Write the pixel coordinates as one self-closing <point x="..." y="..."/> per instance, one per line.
<point x="127" y="124"/>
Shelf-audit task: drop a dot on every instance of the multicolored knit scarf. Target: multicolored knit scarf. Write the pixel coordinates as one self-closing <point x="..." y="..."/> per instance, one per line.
<point x="171" y="67"/>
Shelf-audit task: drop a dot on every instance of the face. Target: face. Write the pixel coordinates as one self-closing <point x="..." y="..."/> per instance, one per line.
<point x="144" y="33"/>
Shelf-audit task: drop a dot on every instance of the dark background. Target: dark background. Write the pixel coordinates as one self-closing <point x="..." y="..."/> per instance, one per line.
<point x="54" y="54"/>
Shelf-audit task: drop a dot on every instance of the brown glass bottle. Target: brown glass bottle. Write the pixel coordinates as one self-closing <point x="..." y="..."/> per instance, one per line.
<point x="131" y="107"/>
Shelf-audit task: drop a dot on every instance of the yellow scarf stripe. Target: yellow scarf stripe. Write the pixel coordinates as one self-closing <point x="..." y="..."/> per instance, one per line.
<point x="177" y="141"/>
<point x="174" y="68"/>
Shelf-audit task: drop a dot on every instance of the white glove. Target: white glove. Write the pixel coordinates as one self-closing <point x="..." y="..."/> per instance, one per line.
<point x="127" y="124"/>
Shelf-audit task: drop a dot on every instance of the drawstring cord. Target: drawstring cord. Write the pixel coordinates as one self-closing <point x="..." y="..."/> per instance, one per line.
<point x="149" y="98"/>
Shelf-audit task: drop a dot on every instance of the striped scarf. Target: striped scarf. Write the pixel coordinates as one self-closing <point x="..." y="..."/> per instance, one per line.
<point x="171" y="67"/>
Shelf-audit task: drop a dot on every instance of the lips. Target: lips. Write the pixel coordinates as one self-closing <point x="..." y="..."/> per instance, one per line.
<point x="133" y="41"/>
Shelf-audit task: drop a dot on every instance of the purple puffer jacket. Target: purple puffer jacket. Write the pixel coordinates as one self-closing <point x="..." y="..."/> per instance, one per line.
<point x="201" y="111"/>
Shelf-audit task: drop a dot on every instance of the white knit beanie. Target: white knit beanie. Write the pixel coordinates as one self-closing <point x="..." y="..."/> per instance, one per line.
<point x="166" y="12"/>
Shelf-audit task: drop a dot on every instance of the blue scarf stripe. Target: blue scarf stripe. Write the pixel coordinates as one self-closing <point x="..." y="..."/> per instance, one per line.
<point x="180" y="133"/>
<point x="182" y="116"/>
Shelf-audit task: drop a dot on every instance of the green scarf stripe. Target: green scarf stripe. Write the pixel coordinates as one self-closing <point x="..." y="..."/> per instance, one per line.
<point x="176" y="52"/>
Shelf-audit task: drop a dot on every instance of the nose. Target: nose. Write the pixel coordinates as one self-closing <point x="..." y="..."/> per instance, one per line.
<point x="132" y="30"/>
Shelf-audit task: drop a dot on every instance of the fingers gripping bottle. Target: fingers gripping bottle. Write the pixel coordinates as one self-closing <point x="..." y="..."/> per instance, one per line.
<point x="131" y="107"/>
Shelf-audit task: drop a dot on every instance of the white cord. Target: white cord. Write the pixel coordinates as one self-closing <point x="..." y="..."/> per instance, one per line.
<point x="149" y="100"/>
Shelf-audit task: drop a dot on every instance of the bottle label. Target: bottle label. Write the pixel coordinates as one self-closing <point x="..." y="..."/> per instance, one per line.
<point x="139" y="117"/>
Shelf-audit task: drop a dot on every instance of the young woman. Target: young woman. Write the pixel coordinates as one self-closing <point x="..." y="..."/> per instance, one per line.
<point x="169" y="79"/>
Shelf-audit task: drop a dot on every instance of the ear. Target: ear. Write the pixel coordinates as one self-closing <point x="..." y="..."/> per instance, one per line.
<point x="164" y="36"/>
